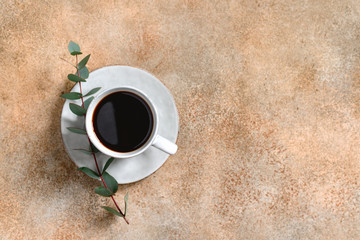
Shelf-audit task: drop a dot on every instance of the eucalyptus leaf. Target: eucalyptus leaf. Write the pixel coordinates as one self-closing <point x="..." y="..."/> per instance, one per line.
<point x="83" y="62"/>
<point x="76" y="109"/>
<point x="92" y="91"/>
<point x="84" y="72"/>
<point x="108" y="162"/>
<point x="76" y="53"/>
<point x="111" y="182"/>
<point x="89" y="172"/>
<point x="102" y="191"/>
<point x="126" y="200"/>
<point x="72" y="95"/>
<point x="77" y="130"/>
<point x="109" y="209"/>
<point x="87" y="102"/>
<point x="74" y="48"/>
<point x="83" y="151"/>
<point x="74" y="78"/>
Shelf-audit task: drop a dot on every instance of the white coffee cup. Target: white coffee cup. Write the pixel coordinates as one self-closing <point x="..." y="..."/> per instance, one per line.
<point x="154" y="140"/>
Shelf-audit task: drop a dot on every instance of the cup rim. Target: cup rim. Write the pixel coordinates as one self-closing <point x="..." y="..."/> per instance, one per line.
<point x="90" y="128"/>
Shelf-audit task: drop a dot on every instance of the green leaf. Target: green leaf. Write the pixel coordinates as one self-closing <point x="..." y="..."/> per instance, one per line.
<point x="72" y="95"/>
<point x="111" y="182"/>
<point x="92" y="91"/>
<point x="83" y="62"/>
<point x="109" y="209"/>
<point x="102" y="191"/>
<point x="76" y="53"/>
<point x="109" y="161"/>
<point x="92" y="148"/>
<point x="74" y="49"/>
<point x="76" y="109"/>
<point x="125" y="200"/>
<point x="83" y="151"/>
<point x="84" y="72"/>
<point x="89" y="172"/>
<point x="77" y="130"/>
<point x="87" y="102"/>
<point x="74" y="78"/>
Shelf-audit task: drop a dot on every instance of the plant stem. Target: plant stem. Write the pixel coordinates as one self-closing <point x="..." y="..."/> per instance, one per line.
<point x="92" y="150"/>
<point x="78" y="73"/>
<point x="68" y="62"/>
<point x="102" y="179"/>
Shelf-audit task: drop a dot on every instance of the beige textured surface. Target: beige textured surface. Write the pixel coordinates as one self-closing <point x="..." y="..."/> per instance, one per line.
<point x="268" y="94"/>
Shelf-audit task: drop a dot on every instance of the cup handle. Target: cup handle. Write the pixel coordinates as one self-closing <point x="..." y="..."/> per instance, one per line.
<point x="165" y="145"/>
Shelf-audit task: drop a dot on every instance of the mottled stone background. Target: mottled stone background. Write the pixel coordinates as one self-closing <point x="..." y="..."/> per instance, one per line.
<point x="268" y="94"/>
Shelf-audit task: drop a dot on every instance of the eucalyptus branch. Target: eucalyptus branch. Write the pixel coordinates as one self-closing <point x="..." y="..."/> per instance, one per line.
<point x="110" y="185"/>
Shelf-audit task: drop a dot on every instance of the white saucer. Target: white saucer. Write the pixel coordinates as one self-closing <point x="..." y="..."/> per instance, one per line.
<point x="131" y="169"/>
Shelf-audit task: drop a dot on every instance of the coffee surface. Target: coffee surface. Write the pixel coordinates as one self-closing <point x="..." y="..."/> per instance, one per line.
<point x="123" y="121"/>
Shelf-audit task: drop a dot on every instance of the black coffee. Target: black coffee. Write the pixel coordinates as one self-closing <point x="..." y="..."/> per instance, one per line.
<point x="123" y="121"/>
